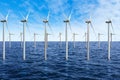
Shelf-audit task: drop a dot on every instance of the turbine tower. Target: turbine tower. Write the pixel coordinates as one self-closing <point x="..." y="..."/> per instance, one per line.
<point x="109" y="22"/>
<point x="99" y="39"/>
<point x="88" y="22"/>
<point x="35" y="34"/>
<point x="74" y="35"/>
<point x="10" y="34"/>
<point x="67" y="22"/>
<point x="46" y="21"/>
<point x="4" y="21"/>
<point x="24" y="21"/>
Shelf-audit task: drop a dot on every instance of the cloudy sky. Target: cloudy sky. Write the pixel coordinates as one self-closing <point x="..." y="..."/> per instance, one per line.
<point x="99" y="10"/>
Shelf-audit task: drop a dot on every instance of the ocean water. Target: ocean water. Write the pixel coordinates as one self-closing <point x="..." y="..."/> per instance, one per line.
<point x="56" y="67"/>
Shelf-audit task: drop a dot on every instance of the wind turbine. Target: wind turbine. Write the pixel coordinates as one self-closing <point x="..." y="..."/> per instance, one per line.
<point x="10" y="34"/>
<point x="109" y="22"/>
<point x="85" y="36"/>
<point x="111" y="34"/>
<point x="21" y="38"/>
<point x="74" y="35"/>
<point x="99" y="39"/>
<point x="67" y="22"/>
<point x="35" y="34"/>
<point x="60" y="34"/>
<point x="46" y="21"/>
<point x="24" y="21"/>
<point x="88" y="22"/>
<point x="4" y="21"/>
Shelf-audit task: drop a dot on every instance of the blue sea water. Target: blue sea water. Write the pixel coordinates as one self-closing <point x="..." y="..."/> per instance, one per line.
<point x="56" y="67"/>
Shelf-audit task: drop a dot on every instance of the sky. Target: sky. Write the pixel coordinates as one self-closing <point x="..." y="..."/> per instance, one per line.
<point x="97" y="10"/>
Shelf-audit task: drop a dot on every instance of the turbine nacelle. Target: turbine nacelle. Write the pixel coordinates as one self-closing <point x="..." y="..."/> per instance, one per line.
<point x="88" y="21"/>
<point x="109" y="21"/>
<point x="66" y="21"/>
<point x="45" y="21"/>
<point x="3" y="21"/>
<point x="23" y="20"/>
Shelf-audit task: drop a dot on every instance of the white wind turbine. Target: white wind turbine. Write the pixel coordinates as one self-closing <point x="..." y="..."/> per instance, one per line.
<point x="21" y="38"/>
<point x="99" y="39"/>
<point x="60" y="34"/>
<point x="109" y="22"/>
<point x="35" y="34"/>
<point x="67" y="22"/>
<point x="10" y="34"/>
<point x="74" y="35"/>
<point x="111" y="36"/>
<point x="85" y="36"/>
<point x="24" y="21"/>
<point x="46" y="21"/>
<point x="4" y="21"/>
<point x="88" y="27"/>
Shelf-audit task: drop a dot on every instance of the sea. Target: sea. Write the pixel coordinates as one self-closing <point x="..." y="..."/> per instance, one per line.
<point x="56" y="67"/>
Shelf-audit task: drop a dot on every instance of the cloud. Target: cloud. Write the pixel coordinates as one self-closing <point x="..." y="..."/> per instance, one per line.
<point x="99" y="10"/>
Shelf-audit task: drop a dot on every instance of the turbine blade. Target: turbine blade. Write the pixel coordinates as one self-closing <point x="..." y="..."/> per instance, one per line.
<point x="112" y="27"/>
<point x="7" y="16"/>
<point x="70" y="15"/>
<point x="27" y="15"/>
<point x="50" y="27"/>
<point x="28" y="28"/>
<point x="93" y="29"/>
<point x="70" y="27"/>
<point x="48" y="16"/>
<point x="7" y="27"/>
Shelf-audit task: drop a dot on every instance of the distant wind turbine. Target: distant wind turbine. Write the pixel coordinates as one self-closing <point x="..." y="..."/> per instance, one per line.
<point x="24" y="21"/>
<point x="67" y="21"/>
<point x="111" y="36"/>
<point x="10" y="34"/>
<point x="35" y="39"/>
<point x="4" y="21"/>
<point x="21" y="38"/>
<point x="60" y="44"/>
<point x="85" y="36"/>
<point x="74" y="35"/>
<point x="99" y="39"/>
